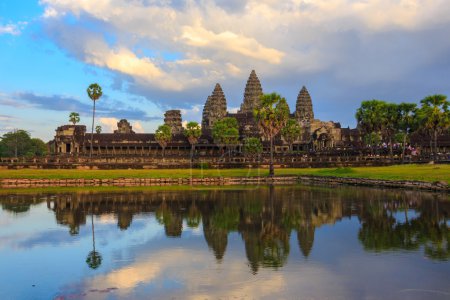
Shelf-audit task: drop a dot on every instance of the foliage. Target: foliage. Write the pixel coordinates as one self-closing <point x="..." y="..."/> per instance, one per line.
<point x="193" y="132"/>
<point x="271" y="116"/>
<point x="372" y="139"/>
<point x="434" y="116"/>
<point x="370" y="117"/>
<point x="226" y="132"/>
<point x="19" y="143"/>
<point x="94" y="91"/>
<point x="291" y="132"/>
<point x="74" y="118"/>
<point x="252" y="146"/>
<point x="163" y="136"/>
<point x="94" y="259"/>
<point x="98" y="129"/>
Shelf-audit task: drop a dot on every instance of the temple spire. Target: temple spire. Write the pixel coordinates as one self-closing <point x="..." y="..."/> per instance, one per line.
<point x="252" y="94"/>
<point x="215" y="108"/>
<point x="303" y="109"/>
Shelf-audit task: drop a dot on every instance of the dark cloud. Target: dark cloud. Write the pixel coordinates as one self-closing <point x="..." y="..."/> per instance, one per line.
<point x="105" y="108"/>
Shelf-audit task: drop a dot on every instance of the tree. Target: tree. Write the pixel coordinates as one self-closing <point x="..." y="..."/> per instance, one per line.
<point x="74" y="118"/>
<point x="225" y="132"/>
<point x="389" y="125"/>
<point x="94" y="258"/>
<point x="163" y="136"/>
<point x="94" y="92"/>
<point x="193" y="132"/>
<point x="271" y="117"/>
<point x="252" y="147"/>
<point x="19" y="143"/>
<point x="291" y="132"/>
<point x="98" y="129"/>
<point x="434" y="117"/>
<point x="370" y="117"/>
<point x="407" y="122"/>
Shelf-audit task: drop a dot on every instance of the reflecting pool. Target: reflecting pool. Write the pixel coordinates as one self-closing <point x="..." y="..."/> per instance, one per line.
<point x="293" y="242"/>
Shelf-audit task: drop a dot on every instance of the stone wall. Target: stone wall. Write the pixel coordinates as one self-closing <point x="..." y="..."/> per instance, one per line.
<point x="218" y="181"/>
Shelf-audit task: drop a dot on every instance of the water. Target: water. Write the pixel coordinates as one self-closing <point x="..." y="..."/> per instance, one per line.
<point x="297" y="242"/>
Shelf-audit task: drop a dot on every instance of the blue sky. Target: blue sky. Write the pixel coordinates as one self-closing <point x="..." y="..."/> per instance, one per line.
<point x="153" y="55"/>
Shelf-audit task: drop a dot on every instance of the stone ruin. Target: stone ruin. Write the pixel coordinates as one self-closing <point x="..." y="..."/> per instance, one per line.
<point x="172" y="118"/>
<point x="123" y="126"/>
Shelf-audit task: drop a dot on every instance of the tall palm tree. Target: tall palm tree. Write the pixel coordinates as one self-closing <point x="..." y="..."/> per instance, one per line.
<point x="193" y="132"/>
<point x="407" y="121"/>
<point x="271" y="117"/>
<point x="94" y="258"/>
<point x="435" y="116"/>
<point x="94" y="92"/>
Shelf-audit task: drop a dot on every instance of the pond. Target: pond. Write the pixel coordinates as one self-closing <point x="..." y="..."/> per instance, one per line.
<point x="292" y="242"/>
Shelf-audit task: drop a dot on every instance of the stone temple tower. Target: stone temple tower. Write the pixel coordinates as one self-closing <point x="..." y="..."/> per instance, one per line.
<point x="215" y="109"/>
<point x="304" y="110"/>
<point x="172" y="118"/>
<point x="252" y="93"/>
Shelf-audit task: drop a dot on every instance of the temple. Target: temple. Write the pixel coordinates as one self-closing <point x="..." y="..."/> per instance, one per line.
<point x="317" y="135"/>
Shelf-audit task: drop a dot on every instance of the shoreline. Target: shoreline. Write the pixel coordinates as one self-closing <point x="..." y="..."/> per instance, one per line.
<point x="17" y="183"/>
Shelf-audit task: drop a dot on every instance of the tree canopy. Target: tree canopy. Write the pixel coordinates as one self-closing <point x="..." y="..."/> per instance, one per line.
<point x="19" y="143"/>
<point x="74" y="118"/>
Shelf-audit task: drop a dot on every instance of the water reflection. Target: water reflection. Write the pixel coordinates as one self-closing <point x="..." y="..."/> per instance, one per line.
<point x="265" y="218"/>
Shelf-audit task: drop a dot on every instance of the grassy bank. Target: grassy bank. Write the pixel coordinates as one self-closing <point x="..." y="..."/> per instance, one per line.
<point x="428" y="173"/>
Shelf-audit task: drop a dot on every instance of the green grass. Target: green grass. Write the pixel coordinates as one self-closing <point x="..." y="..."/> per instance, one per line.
<point x="429" y="173"/>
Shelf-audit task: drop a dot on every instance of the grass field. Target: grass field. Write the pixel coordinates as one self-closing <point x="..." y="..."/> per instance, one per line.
<point x="429" y="173"/>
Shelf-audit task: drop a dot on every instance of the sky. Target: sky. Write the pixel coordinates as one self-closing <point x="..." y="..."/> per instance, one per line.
<point x="153" y="55"/>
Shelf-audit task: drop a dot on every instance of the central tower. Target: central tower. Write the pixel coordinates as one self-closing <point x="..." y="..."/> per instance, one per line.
<point x="253" y="92"/>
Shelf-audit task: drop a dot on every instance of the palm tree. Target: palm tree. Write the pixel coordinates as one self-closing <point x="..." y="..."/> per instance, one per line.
<point x="74" y="118"/>
<point x="94" y="92"/>
<point x="435" y="116"/>
<point x="271" y="117"/>
<point x="94" y="258"/>
<point x="98" y="129"/>
<point x="291" y="132"/>
<point x="163" y="136"/>
<point x="193" y="132"/>
<point x="406" y="121"/>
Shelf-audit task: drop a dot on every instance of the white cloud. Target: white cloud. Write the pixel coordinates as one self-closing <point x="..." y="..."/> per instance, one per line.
<point x="137" y="127"/>
<point x="109" y="123"/>
<point x="12" y="29"/>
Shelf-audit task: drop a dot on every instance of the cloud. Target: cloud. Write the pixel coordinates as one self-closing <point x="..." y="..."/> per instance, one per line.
<point x="110" y="124"/>
<point x="345" y="51"/>
<point x="12" y="29"/>
<point x="112" y="109"/>
<point x="137" y="127"/>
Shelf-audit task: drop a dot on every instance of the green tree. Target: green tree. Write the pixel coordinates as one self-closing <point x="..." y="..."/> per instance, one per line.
<point x="390" y="123"/>
<point x="434" y="117"/>
<point x="163" y="136"/>
<point x="98" y="129"/>
<point x="370" y="118"/>
<point x="94" y="92"/>
<point x="291" y="132"/>
<point x="252" y="147"/>
<point x="271" y="117"/>
<point x="193" y="132"/>
<point x="16" y="143"/>
<point x="74" y="118"/>
<point x="38" y="148"/>
<point x="225" y="132"/>
<point x="407" y="122"/>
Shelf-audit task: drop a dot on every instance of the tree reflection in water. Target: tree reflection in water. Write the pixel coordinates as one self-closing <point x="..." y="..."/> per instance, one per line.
<point x="265" y="217"/>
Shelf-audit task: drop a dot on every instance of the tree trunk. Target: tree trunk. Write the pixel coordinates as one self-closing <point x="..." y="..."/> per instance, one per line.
<point x="431" y="147"/>
<point x="404" y="147"/>
<point x="92" y="131"/>
<point x="163" y="151"/>
<point x="391" y="151"/>
<point x="271" y="170"/>
<point x="435" y="145"/>
<point x="192" y="152"/>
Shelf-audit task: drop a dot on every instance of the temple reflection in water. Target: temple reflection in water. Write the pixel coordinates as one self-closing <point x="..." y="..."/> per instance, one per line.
<point x="266" y="218"/>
